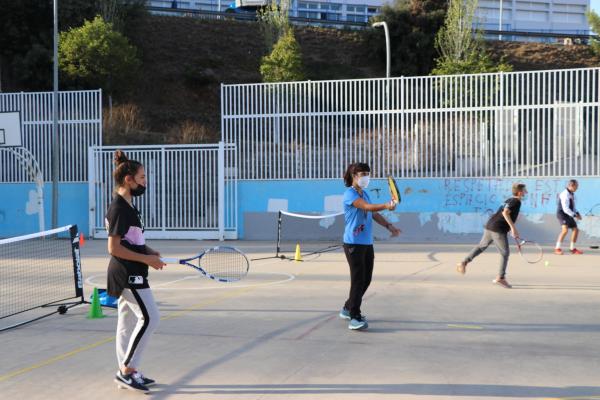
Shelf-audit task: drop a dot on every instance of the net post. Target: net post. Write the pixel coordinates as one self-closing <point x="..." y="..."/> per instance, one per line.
<point x="74" y="235"/>
<point x="278" y="235"/>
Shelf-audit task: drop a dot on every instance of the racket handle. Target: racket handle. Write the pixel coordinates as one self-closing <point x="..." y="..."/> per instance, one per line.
<point x="169" y="260"/>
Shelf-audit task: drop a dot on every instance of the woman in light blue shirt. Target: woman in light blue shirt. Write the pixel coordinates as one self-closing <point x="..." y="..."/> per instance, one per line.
<point x="359" y="214"/>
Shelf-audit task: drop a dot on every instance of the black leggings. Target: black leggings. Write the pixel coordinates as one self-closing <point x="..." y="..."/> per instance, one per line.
<point x="360" y="259"/>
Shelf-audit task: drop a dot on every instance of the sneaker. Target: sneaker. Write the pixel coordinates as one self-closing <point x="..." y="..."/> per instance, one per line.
<point x="461" y="267"/>
<point x="345" y="314"/>
<point x="502" y="282"/>
<point x="129" y="382"/>
<point x="138" y="376"/>
<point x="558" y="252"/>
<point x="575" y="251"/>
<point x="358" y="324"/>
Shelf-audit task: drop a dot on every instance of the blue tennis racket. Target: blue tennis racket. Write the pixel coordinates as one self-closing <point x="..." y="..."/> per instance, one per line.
<point x="221" y="263"/>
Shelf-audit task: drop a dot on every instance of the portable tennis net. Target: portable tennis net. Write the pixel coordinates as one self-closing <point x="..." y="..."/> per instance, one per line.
<point x="39" y="271"/>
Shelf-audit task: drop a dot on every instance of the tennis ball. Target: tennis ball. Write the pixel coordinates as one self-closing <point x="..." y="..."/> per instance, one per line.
<point x="547" y="263"/>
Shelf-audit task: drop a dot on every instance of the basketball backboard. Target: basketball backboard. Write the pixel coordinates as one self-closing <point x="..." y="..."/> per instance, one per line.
<point x="10" y="129"/>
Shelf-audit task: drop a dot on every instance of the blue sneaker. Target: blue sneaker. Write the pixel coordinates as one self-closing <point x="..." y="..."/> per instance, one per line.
<point x="345" y="314"/>
<point x="358" y="324"/>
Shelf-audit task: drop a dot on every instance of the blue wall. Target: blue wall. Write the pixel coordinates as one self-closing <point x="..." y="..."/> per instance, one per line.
<point x="437" y="207"/>
<point x="448" y="206"/>
<point x="14" y="219"/>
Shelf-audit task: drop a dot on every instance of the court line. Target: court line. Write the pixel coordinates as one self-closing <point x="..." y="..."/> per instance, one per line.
<point x="289" y="277"/>
<point x="81" y="349"/>
<point x="465" y="326"/>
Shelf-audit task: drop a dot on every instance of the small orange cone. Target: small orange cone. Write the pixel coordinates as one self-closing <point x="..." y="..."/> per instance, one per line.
<point x="81" y="239"/>
<point x="298" y="256"/>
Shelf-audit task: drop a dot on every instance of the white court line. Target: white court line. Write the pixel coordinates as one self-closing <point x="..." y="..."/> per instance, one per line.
<point x="90" y="281"/>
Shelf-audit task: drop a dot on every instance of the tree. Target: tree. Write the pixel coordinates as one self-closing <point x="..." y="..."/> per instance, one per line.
<point x="274" y="22"/>
<point x="95" y="55"/>
<point x="594" y="21"/>
<point x="461" y="51"/>
<point x="284" y="64"/>
<point x="413" y="25"/>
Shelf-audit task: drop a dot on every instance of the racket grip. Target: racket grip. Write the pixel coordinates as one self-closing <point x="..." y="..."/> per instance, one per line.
<point x="169" y="260"/>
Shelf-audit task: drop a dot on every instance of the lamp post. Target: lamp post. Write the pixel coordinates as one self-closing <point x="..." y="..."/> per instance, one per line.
<point x="55" y="141"/>
<point x="500" y="21"/>
<point x="387" y="46"/>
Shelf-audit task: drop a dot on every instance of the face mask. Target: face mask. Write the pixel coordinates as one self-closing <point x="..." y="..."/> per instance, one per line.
<point x="138" y="191"/>
<point x="363" y="181"/>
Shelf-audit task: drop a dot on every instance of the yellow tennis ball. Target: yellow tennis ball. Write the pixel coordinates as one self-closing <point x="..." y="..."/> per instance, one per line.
<point x="547" y="263"/>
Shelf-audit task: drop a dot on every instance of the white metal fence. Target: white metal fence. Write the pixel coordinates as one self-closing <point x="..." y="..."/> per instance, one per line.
<point x="80" y="126"/>
<point x="542" y="123"/>
<point x="191" y="190"/>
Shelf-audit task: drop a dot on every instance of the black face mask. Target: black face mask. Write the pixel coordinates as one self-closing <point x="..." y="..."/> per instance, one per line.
<point x="138" y="191"/>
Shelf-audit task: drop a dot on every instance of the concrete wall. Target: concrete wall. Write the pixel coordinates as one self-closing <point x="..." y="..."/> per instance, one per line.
<point x="446" y="210"/>
<point x="18" y="214"/>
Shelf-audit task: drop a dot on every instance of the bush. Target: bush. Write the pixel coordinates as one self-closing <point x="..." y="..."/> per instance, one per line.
<point x="95" y="55"/>
<point x="284" y="64"/>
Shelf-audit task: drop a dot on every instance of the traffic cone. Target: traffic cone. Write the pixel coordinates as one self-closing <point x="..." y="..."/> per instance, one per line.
<point x="81" y="240"/>
<point x="95" y="309"/>
<point x="298" y="256"/>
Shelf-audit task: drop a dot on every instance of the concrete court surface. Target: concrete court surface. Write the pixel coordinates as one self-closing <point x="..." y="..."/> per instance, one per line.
<point x="433" y="334"/>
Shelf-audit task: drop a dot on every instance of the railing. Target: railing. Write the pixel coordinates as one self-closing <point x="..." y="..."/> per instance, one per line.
<point x="520" y="124"/>
<point x="191" y="190"/>
<point x="80" y="126"/>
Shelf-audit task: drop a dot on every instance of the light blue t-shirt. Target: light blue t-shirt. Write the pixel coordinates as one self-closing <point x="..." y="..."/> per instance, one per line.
<point x="359" y="222"/>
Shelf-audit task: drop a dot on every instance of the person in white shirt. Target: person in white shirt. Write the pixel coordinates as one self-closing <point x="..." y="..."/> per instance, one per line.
<point x="567" y="215"/>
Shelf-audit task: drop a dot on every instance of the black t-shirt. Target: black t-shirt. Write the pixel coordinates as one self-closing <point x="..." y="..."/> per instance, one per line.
<point x="124" y="220"/>
<point x="497" y="223"/>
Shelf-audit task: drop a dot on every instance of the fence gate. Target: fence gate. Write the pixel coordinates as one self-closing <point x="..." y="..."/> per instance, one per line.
<point x="191" y="190"/>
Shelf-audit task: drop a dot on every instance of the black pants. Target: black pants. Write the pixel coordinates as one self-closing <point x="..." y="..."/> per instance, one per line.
<point x="360" y="259"/>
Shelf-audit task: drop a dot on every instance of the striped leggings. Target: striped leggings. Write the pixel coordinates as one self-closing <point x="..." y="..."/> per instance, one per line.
<point x="138" y="318"/>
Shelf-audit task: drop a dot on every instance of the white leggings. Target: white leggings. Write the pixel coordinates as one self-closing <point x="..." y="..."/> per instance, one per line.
<point x="138" y="318"/>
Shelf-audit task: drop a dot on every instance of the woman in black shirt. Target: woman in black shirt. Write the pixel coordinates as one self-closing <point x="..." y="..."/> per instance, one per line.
<point x="127" y="276"/>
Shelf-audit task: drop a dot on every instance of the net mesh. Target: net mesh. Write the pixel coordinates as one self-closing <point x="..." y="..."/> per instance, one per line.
<point x="315" y="233"/>
<point x="225" y="263"/>
<point x="36" y="270"/>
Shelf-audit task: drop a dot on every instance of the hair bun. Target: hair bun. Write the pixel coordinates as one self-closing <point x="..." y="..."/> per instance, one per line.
<point x="120" y="157"/>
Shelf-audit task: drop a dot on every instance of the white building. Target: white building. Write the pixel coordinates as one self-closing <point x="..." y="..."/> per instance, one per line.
<point x="550" y="16"/>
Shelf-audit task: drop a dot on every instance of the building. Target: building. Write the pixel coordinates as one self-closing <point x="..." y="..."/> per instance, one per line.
<point x="543" y="16"/>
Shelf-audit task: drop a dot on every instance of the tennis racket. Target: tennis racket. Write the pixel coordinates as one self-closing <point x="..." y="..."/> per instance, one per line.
<point x="529" y="250"/>
<point x="394" y="191"/>
<point x="221" y="263"/>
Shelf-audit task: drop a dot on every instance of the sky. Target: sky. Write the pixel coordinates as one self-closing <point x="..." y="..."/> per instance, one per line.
<point x="595" y="5"/>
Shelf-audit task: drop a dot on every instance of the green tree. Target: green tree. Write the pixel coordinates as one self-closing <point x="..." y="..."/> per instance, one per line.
<point x="461" y="51"/>
<point x="95" y="55"/>
<point x="594" y="21"/>
<point x="284" y="64"/>
<point x="413" y="25"/>
<point x="274" y="22"/>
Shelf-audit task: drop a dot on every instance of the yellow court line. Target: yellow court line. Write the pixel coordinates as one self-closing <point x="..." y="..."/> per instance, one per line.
<point x="465" y="326"/>
<point x="71" y="353"/>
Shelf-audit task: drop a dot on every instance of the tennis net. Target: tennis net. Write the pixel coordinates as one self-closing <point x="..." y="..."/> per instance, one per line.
<point x="315" y="233"/>
<point x="38" y="271"/>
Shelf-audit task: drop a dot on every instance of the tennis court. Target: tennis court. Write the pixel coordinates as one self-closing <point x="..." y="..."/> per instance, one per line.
<point x="433" y="334"/>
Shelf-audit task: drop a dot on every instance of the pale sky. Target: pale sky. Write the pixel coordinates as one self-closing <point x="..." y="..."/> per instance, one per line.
<point x="595" y="4"/>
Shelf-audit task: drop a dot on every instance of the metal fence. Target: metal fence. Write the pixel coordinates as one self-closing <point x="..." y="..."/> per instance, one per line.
<point x="191" y="190"/>
<point x="80" y="126"/>
<point x="522" y="124"/>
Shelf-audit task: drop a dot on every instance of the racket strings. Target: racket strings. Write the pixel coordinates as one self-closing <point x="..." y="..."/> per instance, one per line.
<point x="225" y="264"/>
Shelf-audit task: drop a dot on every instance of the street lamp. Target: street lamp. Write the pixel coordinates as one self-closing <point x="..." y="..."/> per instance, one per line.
<point x="387" y="45"/>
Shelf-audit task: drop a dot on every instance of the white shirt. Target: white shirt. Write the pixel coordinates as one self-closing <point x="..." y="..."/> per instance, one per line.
<point x="566" y="199"/>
